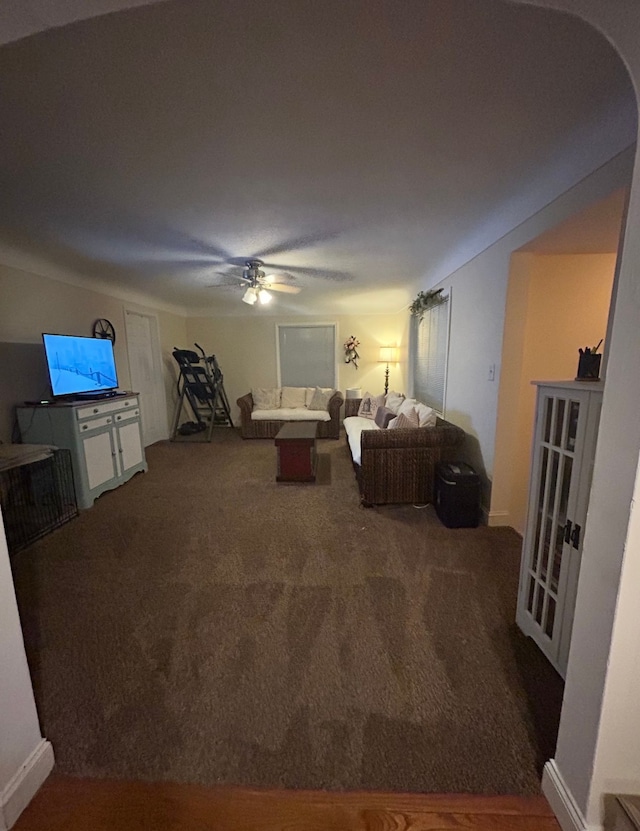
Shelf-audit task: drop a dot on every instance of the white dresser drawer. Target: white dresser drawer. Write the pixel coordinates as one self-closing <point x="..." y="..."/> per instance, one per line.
<point x="126" y="416"/>
<point x="95" y="424"/>
<point x="106" y="407"/>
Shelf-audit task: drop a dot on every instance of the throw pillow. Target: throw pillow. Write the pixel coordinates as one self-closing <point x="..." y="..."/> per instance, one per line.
<point x="369" y="405"/>
<point x="394" y="400"/>
<point x="407" y="406"/>
<point x="404" y="420"/>
<point x="320" y="399"/>
<point x="292" y="397"/>
<point x="383" y="417"/>
<point x="426" y="415"/>
<point x="309" y="391"/>
<point x="266" y="398"/>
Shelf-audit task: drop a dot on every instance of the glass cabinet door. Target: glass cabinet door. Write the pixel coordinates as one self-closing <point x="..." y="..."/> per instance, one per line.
<point x="550" y="535"/>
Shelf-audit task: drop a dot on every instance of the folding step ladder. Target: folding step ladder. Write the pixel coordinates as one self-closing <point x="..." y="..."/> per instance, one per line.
<point x="200" y="385"/>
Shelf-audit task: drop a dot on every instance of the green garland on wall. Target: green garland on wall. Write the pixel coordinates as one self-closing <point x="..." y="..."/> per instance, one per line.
<point x="426" y="300"/>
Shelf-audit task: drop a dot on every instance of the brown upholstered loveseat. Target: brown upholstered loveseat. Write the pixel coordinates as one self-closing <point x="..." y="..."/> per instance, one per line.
<point x="252" y="429"/>
<point x="399" y="465"/>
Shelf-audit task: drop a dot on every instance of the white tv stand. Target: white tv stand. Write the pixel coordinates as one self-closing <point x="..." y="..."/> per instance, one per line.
<point x="104" y="436"/>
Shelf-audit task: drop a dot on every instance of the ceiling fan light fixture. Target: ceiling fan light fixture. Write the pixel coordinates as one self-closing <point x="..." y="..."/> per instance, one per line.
<point x="264" y="296"/>
<point x="250" y="296"/>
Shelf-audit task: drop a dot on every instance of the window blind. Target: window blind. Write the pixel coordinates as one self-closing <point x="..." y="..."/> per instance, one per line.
<point x="307" y="355"/>
<point x="431" y="340"/>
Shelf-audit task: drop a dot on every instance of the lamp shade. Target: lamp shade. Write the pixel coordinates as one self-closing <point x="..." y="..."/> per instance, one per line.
<point x="388" y="355"/>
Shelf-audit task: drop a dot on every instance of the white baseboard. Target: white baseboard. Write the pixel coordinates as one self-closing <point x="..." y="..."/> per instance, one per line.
<point x="562" y="802"/>
<point x="25" y="784"/>
<point x="495" y="518"/>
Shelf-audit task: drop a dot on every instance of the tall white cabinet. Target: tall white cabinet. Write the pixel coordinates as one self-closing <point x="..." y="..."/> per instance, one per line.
<point x="104" y="437"/>
<point x="566" y="430"/>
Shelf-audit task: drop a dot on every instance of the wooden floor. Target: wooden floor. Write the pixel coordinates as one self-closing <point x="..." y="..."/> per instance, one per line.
<point x="65" y="804"/>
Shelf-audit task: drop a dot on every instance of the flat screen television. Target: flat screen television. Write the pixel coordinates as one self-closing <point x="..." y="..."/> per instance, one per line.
<point x="80" y="366"/>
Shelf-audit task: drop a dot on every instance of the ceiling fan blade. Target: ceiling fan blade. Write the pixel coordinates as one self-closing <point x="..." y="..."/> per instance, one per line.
<point x="223" y="280"/>
<point x="283" y="287"/>
<point x="227" y="286"/>
<point x="323" y="273"/>
<point x="303" y="241"/>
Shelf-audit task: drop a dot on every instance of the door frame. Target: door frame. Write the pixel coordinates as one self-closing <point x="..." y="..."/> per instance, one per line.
<point x="158" y="366"/>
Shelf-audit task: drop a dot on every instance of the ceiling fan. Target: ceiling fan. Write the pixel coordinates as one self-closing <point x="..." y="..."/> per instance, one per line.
<point x="259" y="286"/>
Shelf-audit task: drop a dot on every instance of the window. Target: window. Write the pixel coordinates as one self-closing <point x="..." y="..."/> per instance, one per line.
<point x="307" y="355"/>
<point x="430" y="336"/>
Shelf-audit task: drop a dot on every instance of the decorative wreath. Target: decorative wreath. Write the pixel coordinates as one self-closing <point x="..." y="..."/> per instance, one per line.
<point x="350" y="350"/>
<point x="426" y="300"/>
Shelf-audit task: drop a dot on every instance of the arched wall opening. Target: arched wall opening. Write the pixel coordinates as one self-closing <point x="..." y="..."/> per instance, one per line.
<point x="620" y="415"/>
<point x="597" y="753"/>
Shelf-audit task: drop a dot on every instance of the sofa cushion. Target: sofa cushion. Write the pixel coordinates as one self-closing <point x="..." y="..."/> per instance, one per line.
<point x="369" y="405"/>
<point x="405" y="420"/>
<point x="266" y="398"/>
<point x="426" y="415"/>
<point x="290" y="414"/>
<point x="394" y="400"/>
<point x="383" y="417"/>
<point x="353" y="427"/>
<point x="320" y="399"/>
<point x="293" y="397"/>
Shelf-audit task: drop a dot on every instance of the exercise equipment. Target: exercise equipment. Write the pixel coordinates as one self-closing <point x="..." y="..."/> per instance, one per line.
<point x="201" y="387"/>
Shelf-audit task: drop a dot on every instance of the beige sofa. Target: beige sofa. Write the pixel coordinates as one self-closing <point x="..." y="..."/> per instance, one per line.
<point x="267" y="428"/>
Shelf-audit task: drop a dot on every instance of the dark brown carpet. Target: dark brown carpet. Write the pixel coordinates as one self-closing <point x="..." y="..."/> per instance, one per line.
<point x="205" y="624"/>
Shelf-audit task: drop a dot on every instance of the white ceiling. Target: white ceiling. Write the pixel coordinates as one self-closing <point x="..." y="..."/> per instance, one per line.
<point x="365" y="146"/>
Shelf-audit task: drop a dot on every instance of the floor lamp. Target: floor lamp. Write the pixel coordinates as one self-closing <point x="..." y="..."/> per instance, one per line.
<point x="387" y="356"/>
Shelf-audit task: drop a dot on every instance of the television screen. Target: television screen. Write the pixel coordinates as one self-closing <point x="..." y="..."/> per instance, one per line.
<point x="79" y="365"/>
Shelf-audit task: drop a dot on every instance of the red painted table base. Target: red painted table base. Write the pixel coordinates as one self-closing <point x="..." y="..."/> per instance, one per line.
<point x="296" y="448"/>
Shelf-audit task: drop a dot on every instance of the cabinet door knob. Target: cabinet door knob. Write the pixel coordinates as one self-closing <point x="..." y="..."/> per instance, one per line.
<point x="118" y="418"/>
<point x="96" y="410"/>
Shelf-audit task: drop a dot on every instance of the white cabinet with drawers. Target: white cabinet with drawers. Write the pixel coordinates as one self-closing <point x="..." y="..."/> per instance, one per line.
<point x="104" y="437"/>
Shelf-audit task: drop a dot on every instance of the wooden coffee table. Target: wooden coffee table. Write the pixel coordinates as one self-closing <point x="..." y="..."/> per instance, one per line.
<point x="296" y="448"/>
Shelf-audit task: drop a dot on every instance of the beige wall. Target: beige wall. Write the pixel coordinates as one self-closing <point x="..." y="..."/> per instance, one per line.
<point x="246" y="349"/>
<point x="31" y="304"/>
<point x="555" y="305"/>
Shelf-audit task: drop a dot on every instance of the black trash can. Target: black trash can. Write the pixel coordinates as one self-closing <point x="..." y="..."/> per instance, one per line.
<point x="457" y="495"/>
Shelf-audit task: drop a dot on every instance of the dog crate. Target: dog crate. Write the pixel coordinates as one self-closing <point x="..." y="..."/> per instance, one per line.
<point x="36" y="492"/>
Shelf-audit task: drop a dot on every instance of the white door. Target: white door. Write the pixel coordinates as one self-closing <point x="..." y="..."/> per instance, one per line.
<point x="145" y="367"/>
